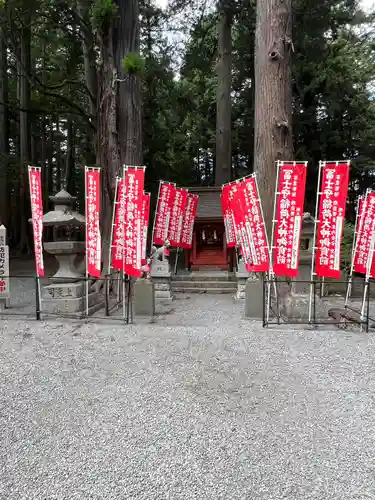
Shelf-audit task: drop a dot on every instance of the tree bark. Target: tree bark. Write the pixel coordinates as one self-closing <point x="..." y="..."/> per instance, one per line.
<point x="129" y="117"/>
<point x="107" y="148"/>
<point x="58" y="155"/>
<point x="273" y="96"/>
<point x="223" y="99"/>
<point x="4" y="132"/>
<point x="24" y="86"/>
<point x="83" y="7"/>
<point x="70" y="157"/>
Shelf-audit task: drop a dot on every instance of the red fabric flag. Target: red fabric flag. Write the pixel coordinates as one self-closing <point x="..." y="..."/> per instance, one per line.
<point x="93" y="239"/>
<point x="163" y="212"/>
<point x="145" y="222"/>
<point x="35" y="186"/>
<point x="332" y="206"/>
<point x="238" y="206"/>
<point x="134" y="184"/>
<point x="189" y="219"/>
<point x="228" y="216"/>
<point x="255" y="228"/>
<point x="362" y="238"/>
<point x="119" y="228"/>
<point x="177" y="217"/>
<point x="365" y="232"/>
<point x="289" y="212"/>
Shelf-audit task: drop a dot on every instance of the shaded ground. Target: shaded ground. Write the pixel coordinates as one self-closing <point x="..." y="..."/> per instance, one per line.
<point x="201" y="405"/>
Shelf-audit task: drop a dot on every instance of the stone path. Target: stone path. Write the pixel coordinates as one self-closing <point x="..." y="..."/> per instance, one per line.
<point x="201" y="404"/>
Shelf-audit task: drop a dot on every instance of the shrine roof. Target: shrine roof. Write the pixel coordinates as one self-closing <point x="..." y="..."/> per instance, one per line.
<point x="209" y="205"/>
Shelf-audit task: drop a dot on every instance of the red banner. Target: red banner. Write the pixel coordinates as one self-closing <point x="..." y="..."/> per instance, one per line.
<point x="93" y="239"/>
<point x="134" y="184"/>
<point x="189" y="219"/>
<point x="145" y="221"/>
<point x="332" y="205"/>
<point x="238" y="206"/>
<point x="35" y="185"/>
<point x="366" y="227"/>
<point x="289" y="212"/>
<point x="255" y="227"/>
<point x="119" y="227"/>
<point x="177" y="217"/>
<point x="228" y="216"/>
<point x="232" y="194"/>
<point x="163" y="213"/>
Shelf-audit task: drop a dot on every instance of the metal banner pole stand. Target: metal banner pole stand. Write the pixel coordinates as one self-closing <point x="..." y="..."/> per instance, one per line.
<point x="38" y="296"/>
<point x="176" y="261"/>
<point x="265" y="232"/>
<point x="270" y="277"/>
<point x="357" y="230"/>
<point x="318" y="193"/>
<point x="124" y="295"/>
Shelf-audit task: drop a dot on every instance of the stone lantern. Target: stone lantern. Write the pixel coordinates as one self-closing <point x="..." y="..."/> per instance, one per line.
<point x="67" y="228"/>
<point x="66" y="293"/>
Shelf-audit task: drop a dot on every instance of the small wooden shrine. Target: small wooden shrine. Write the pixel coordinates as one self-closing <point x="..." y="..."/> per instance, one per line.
<point x="209" y="250"/>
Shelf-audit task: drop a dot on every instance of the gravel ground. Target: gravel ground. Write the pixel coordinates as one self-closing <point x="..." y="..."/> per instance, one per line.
<point x="201" y="404"/>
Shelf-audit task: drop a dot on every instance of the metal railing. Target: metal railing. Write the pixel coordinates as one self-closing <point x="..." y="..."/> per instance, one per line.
<point x="275" y="313"/>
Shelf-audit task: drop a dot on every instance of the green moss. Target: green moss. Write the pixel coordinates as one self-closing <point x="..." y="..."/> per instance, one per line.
<point x="133" y="63"/>
<point x="102" y="12"/>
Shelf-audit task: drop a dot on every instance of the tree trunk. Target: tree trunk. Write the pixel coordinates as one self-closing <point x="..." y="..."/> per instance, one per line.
<point x="24" y="69"/>
<point x="223" y="99"/>
<point x="83" y="7"/>
<point x="273" y="96"/>
<point x="58" y="155"/>
<point x="4" y="133"/>
<point x="49" y="166"/>
<point x="107" y="148"/>
<point x="129" y="117"/>
<point x="69" y="159"/>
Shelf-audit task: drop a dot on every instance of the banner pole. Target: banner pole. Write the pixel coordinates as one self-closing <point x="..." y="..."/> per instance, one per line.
<point x="86" y="256"/>
<point x="38" y="286"/>
<point x="265" y="229"/>
<point x="112" y="226"/>
<point x="368" y="272"/>
<point x="123" y="254"/>
<point x="176" y="261"/>
<point x="278" y="165"/>
<point x="357" y="225"/>
<point x="155" y="214"/>
<point x="321" y="163"/>
<point x="111" y="238"/>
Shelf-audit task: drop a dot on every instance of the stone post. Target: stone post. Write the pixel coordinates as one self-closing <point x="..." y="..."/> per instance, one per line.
<point x="242" y="274"/>
<point x="4" y="270"/>
<point x="161" y="276"/>
<point x="144" y="297"/>
<point x="253" y="297"/>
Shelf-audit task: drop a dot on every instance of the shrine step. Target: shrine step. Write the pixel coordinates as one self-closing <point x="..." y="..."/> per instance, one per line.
<point x="206" y="276"/>
<point x="202" y="284"/>
<point x="204" y="290"/>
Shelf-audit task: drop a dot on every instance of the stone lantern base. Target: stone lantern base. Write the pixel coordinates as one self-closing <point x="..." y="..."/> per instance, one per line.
<point x="70" y="299"/>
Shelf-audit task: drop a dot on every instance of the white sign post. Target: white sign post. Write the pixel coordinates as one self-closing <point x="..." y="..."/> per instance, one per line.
<point x="4" y="269"/>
